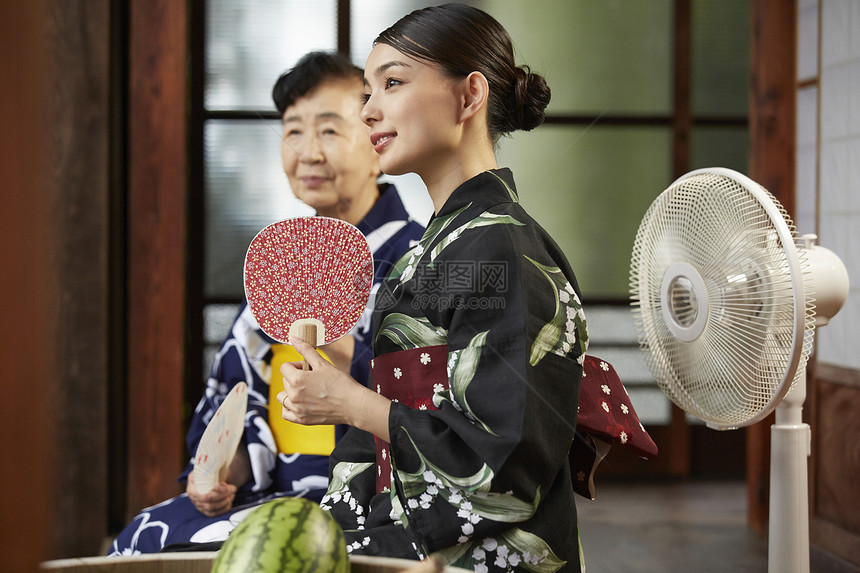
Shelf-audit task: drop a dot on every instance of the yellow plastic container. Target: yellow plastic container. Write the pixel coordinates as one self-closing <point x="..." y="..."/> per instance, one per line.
<point x="294" y="438"/>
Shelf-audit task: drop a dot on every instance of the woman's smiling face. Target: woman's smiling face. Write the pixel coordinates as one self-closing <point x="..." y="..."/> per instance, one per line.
<point x="325" y="152"/>
<point x="411" y="111"/>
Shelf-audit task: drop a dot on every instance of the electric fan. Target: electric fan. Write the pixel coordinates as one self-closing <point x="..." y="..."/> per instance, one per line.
<point x="722" y="297"/>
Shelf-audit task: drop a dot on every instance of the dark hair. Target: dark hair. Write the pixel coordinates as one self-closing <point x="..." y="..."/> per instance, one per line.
<point x="310" y="71"/>
<point x="460" y="40"/>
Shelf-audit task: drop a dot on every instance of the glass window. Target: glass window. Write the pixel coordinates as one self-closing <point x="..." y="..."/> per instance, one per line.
<point x="217" y="322"/>
<point x="720" y="54"/>
<point x="624" y="47"/>
<point x="370" y="17"/>
<point x="590" y="187"/>
<point x="250" y="43"/>
<point x="246" y="189"/>
<point x="599" y="57"/>
<point x="720" y="146"/>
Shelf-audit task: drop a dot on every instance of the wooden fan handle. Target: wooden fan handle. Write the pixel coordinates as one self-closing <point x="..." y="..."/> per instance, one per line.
<point x="307" y="331"/>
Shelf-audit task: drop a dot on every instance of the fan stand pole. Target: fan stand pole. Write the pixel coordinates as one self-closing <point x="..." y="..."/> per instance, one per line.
<point x="791" y="444"/>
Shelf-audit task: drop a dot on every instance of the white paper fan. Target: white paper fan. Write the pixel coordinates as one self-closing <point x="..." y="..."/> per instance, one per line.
<point x="220" y="440"/>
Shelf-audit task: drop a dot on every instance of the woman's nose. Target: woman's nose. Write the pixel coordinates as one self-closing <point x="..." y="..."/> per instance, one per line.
<point x="311" y="150"/>
<point x="369" y="111"/>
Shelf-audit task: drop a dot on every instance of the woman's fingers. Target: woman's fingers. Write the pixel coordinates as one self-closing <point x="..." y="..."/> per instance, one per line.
<point x="308" y="352"/>
<point x="216" y="501"/>
<point x="318" y="396"/>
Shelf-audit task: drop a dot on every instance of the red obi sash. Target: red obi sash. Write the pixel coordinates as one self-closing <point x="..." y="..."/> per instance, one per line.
<point x="606" y="416"/>
<point x="409" y="377"/>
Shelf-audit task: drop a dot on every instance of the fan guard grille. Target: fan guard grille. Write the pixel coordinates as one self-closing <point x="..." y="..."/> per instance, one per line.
<point x="726" y="343"/>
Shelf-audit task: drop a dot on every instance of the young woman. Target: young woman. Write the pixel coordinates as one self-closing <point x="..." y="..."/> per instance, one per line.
<point x="461" y="451"/>
<point x="333" y="168"/>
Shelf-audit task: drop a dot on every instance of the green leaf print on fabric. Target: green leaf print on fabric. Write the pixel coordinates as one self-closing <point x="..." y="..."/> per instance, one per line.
<point x="560" y="333"/>
<point x="339" y="493"/>
<point x="469" y="493"/>
<point x="503" y="507"/>
<point x="471" y="497"/>
<point x="451" y="555"/>
<point x="462" y="366"/>
<point x="416" y="483"/>
<point x="408" y="332"/>
<point x="483" y="220"/>
<point x="513" y="195"/>
<point x="404" y="268"/>
<point x="514" y="548"/>
<point x="343" y="473"/>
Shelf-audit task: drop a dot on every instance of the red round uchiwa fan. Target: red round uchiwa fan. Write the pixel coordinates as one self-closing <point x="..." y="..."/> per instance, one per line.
<point x="308" y="277"/>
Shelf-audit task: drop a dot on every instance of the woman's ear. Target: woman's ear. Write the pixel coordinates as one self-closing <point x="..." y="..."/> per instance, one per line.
<point x="476" y="92"/>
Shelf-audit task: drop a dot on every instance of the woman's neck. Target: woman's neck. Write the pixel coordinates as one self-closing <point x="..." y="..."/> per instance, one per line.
<point x="444" y="179"/>
<point x="356" y="210"/>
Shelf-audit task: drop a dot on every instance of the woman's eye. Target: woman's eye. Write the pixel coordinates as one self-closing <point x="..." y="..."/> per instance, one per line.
<point x="391" y="82"/>
<point x="365" y="98"/>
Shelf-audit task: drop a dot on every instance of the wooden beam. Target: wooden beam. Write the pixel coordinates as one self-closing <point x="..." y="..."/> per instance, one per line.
<point x="344" y="28"/>
<point x="158" y="189"/>
<point x="682" y="117"/>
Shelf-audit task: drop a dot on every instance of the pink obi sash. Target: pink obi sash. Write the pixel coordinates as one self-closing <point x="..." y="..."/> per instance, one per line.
<point x="409" y="377"/>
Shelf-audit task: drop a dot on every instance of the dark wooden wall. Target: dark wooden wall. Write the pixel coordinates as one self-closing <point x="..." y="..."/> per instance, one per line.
<point x="93" y="228"/>
<point x="55" y="290"/>
<point x="835" y="466"/>
<point x="29" y="293"/>
<point x="80" y="169"/>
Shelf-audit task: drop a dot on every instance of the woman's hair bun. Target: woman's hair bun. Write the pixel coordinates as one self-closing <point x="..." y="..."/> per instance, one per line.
<point x="530" y="97"/>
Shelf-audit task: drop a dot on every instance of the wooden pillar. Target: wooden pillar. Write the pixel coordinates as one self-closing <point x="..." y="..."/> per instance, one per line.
<point x="79" y="165"/>
<point x="344" y="29"/>
<point x="158" y="190"/>
<point x="676" y="449"/>
<point x="682" y="116"/>
<point x="773" y="56"/>
<point x="29" y="290"/>
<point x="773" y="99"/>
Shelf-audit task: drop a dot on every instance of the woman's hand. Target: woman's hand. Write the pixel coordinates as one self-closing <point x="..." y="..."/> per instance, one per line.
<point x="326" y="395"/>
<point x="220" y="498"/>
<point x="215" y="502"/>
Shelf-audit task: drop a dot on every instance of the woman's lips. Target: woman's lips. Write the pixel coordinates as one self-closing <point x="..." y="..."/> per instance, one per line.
<point x="314" y="182"/>
<point x="380" y="140"/>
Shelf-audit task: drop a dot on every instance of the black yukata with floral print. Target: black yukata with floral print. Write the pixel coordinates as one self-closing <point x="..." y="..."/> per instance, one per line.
<point x="479" y="341"/>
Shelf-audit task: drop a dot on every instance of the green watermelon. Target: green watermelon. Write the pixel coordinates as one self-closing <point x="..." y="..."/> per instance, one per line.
<point x="284" y="535"/>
